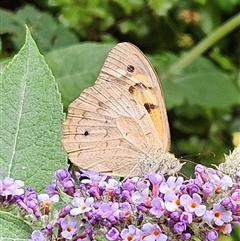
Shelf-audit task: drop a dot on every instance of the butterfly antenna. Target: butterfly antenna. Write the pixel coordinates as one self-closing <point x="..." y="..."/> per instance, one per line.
<point x="200" y="154"/>
<point x="188" y="161"/>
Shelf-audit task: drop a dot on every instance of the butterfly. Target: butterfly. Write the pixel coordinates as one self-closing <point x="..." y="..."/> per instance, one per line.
<point x="119" y="126"/>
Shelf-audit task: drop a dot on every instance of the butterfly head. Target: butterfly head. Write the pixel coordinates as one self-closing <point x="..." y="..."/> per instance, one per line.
<point x="168" y="164"/>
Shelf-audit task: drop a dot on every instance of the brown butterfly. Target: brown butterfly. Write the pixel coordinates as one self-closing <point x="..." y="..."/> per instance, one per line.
<point x="119" y="126"/>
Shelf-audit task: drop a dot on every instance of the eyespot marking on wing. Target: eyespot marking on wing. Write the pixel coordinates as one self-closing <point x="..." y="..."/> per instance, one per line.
<point x="130" y="68"/>
<point x="86" y="133"/>
<point x="138" y="86"/>
<point x="131" y="89"/>
<point x="141" y="86"/>
<point x="149" y="107"/>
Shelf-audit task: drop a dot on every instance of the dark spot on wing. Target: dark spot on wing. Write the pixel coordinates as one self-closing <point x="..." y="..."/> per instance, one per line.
<point x="131" y="89"/>
<point x="86" y="133"/>
<point x="130" y="68"/>
<point x="100" y="103"/>
<point x="140" y="86"/>
<point x="149" y="107"/>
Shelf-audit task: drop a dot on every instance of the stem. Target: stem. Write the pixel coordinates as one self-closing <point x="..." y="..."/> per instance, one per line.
<point x="200" y="48"/>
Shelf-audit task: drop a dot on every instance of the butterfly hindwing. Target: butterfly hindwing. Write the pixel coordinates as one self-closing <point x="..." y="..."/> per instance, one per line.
<point x="106" y="126"/>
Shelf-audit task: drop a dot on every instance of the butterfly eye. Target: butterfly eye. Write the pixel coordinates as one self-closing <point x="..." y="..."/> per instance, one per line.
<point x="174" y="163"/>
<point x="130" y="68"/>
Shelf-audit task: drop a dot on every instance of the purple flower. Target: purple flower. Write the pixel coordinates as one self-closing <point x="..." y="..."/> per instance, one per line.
<point x="153" y="232"/>
<point x="107" y="209"/>
<point x="211" y="235"/>
<point x="192" y="204"/>
<point x="51" y="189"/>
<point x="45" y="201"/>
<point x="103" y="203"/>
<point x="45" y="198"/>
<point x="219" y="215"/>
<point x="94" y="178"/>
<point x="172" y="183"/>
<point x="158" y="207"/>
<point x="207" y="189"/>
<point x="89" y="232"/>
<point x="185" y="236"/>
<point x="172" y="201"/>
<point x="180" y="227"/>
<point x="112" y="234"/>
<point x="156" y="179"/>
<point x="81" y="205"/>
<point x="235" y="197"/>
<point x="221" y="183"/>
<point x="129" y="185"/>
<point x="70" y="227"/>
<point x="37" y="236"/>
<point x="190" y="187"/>
<point x="61" y="174"/>
<point x="111" y="184"/>
<point x="175" y="216"/>
<point x="124" y="212"/>
<point x="131" y="233"/>
<point x="29" y="202"/>
<point x="201" y="176"/>
<point x="226" y="229"/>
<point x="141" y="183"/>
<point x="139" y="197"/>
<point x="186" y="217"/>
<point x="9" y="186"/>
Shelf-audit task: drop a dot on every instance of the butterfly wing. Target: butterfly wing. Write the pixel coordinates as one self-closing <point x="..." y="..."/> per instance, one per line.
<point x="127" y="67"/>
<point x="113" y="126"/>
<point x="106" y="130"/>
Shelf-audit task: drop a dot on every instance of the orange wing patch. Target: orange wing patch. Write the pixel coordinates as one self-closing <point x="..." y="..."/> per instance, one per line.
<point x="146" y="95"/>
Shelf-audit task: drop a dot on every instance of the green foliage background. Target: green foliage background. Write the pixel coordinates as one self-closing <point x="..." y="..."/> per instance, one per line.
<point x="201" y="91"/>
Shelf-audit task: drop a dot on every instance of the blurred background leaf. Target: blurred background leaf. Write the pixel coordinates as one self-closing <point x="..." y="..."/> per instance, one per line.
<point x="77" y="67"/>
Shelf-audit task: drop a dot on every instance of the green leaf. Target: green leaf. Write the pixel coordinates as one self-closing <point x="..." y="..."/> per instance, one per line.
<point x="77" y="67"/>
<point x="13" y="25"/>
<point x="161" y="7"/>
<point x="45" y="29"/>
<point x="13" y="228"/>
<point x="31" y="119"/>
<point x="64" y="197"/>
<point x="201" y="83"/>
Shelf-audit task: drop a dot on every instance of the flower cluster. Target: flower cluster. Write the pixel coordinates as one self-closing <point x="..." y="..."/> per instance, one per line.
<point x="153" y="208"/>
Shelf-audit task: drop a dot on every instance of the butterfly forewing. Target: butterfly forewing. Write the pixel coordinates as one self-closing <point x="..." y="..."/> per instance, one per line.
<point x="128" y="67"/>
